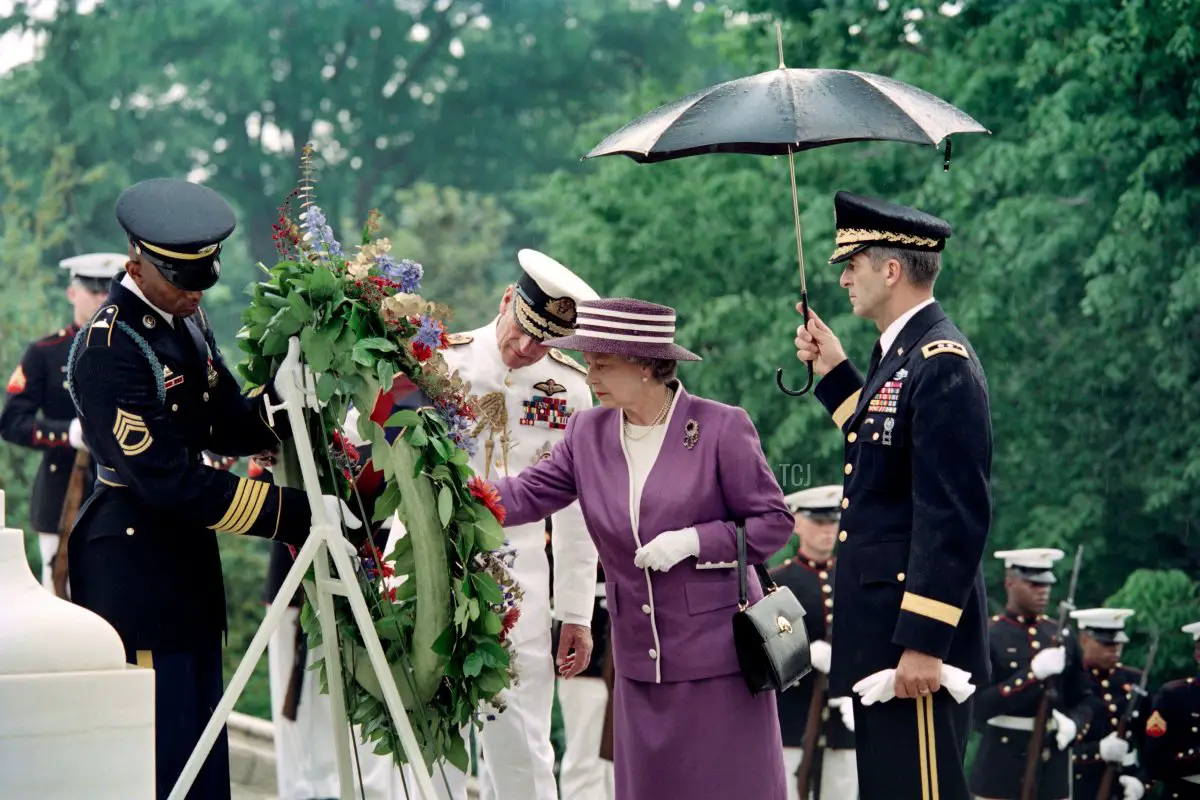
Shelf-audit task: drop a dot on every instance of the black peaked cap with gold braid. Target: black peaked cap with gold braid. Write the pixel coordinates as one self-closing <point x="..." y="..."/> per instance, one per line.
<point x="864" y="222"/>
<point x="178" y="227"/>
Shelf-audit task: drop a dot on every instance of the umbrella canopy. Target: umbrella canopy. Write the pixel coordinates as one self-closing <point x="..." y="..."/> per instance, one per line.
<point x="788" y="110"/>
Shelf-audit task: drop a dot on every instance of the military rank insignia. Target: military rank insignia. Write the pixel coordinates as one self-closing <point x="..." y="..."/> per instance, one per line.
<point x="16" y="384"/>
<point x="546" y="412"/>
<point x="133" y="437"/>
<point x="1156" y="726"/>
<point x="885" y="399"/>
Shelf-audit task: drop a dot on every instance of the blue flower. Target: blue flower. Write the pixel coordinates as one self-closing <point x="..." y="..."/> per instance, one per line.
<point x="430" y="333"/>
<point x="410" y="274"/>
<point x="319" y="233"/>
<point x="387" y="267"/>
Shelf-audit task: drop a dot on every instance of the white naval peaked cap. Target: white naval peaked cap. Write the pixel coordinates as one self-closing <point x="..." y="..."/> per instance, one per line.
<point x="1193" y="628"/>
<point x="1034" y="558"/>
<point x="1102" y="618"/>
<point x="547" y="295"/>
<point x="95" y="265"/>
<point x="817" y="498"/>
<point x="553" y="278"/>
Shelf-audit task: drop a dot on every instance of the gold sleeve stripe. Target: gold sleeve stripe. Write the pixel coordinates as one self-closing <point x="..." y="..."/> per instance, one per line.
<point x="934" y="609"/>
<point x="245" y="508"/>
<point x="253" y="507"/>
<point x="927" y="747"/>
<point x="144" y="658"/>
<point x="256" y="391"/>
<point x="847" y="407"/>
<point x="278" y="512"/>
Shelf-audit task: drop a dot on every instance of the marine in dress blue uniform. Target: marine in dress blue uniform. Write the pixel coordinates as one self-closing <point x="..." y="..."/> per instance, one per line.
<point x="917" y="504"/>
<point x="1102" y="637"/>
<point x="1172" y="745"/>
<point x="38" y="412"/>
<point x="810" y="574"/>
<point x="153" y="392"/>
<point x="1026" y="650"/>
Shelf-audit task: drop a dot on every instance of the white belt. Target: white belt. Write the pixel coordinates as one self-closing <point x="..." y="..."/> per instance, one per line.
<point x="1019" y="723"/>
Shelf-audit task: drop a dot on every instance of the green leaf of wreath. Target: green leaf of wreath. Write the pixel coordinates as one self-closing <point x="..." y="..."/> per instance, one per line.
<point x="445" y="505"/>
<point x="472" y="665"/>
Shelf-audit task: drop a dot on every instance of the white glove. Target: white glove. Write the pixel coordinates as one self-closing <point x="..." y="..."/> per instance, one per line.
<point x="880" y="687"/>
<point x="1113" y="748"/>
<point x="290" y="369"/>
<point x="845" y="705"/>
<point x="821" y="654"/>
<point x="336" y="508"/>
<point x="1134" y="789"/>
<point x="668" y="549"/>
<point x="1049" y="662"/>
<point x="1066" y="730"/>
<point x="75" y="435"/>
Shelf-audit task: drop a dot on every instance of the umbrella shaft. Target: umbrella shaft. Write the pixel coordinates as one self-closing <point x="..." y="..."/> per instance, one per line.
<point x="796" y="215"/>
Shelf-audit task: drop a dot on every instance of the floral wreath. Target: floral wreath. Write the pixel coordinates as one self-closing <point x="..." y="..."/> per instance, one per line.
<point x="443" y="600"/>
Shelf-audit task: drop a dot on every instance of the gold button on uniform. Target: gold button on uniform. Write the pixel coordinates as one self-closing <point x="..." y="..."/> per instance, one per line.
<point x="900" y="576"/>
<point x="845" y="502"/>
<point x="54" y="467"/>
<point x="842" y="536"/>
<point x="852" y="437"/>
<point x="174" y="406"/>
<point x="129" y="531"/>
<point x="849" y="469"/>
<point x="826" y="588"/>
<point x="205" y="396"/>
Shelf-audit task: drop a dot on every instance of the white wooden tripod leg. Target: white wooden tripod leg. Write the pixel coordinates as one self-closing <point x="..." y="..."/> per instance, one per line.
<point x="333" y="664"/>
<point x="387" y="682"/>
<point x="236" y="684"/>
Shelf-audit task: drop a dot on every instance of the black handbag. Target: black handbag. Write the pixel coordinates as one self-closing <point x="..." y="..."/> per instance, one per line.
<point x="769" y="636"/>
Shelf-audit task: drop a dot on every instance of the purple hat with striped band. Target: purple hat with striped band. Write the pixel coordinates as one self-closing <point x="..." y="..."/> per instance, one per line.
<point x="625" y="327"/>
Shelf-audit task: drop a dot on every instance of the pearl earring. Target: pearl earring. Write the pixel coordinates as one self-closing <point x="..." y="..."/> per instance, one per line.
<point x="644" y="379"/>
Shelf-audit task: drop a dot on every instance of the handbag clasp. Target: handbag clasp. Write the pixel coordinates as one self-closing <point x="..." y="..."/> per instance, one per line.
<point x="784" y="625"/>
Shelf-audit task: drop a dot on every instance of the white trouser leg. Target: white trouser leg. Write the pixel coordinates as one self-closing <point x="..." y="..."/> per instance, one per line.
<point x="839" y="775"/>
<point x="48" y="545"/>
<point x="305" y="765"/>
<point x="517" y="758"/>
<point x="584" y="775"/>
<point x="792" y="756"/>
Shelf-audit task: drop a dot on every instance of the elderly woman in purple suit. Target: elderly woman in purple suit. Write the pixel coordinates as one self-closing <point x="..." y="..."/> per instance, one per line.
<point x="663" y="478"/>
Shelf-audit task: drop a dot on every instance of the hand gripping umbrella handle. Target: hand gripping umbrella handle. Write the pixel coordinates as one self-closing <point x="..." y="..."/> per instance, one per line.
<point x="779" y="372"/>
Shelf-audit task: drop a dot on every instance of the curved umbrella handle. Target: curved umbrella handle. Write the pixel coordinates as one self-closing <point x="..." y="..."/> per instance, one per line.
<point x="779" y="372"/>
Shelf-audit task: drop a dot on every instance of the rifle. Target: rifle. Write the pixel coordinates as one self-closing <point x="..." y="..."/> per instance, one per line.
<point x="291" y="698"/>
<point x="1139" y="691"/>
<point x="66" y="520"/>
<point x="1033" y="757"/>
<point x="811" y="734"/>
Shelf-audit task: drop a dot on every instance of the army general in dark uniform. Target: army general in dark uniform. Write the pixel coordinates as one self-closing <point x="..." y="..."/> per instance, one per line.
<point x="917" y="505"/>
<point x="154" y="393"/>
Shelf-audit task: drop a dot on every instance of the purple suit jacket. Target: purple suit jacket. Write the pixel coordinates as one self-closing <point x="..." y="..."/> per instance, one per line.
<point x="675" y="625"/>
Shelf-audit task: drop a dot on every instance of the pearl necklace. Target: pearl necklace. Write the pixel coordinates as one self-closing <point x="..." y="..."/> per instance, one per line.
<point x="662" y="415"/>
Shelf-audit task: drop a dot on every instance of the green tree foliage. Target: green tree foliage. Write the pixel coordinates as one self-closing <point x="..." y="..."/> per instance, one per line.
<point x="1073" y="266"/>
<point x="35" y="218"/>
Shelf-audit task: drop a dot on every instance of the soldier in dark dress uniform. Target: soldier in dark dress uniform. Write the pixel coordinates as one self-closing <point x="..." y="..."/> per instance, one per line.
<point x="153" y="393"/>
<point x="1026" y="650"/>
<point x="917" y="505"/>
<point x="1102" y="637"/>
<point x="38" y="412"/>
<point x="1172" y="745"/>
<point x="810" y="575"/>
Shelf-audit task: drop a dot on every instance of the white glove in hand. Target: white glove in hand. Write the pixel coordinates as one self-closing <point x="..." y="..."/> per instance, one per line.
<point x="668" y="549"/>
<point x="75" y="435"/>
<point x="821" y="654"/>
<point x="1049" y="662"/>
<point x="845" y="706"/>
<point x="1134" y="789"/>
<point x="1113" y="749"/>
<point x="1066" y="730"/>
<point x="336" y="508"/>
<point x="290" y="369"/>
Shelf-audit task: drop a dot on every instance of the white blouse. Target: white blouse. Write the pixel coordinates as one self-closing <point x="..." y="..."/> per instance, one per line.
<point x="643" y="452"/>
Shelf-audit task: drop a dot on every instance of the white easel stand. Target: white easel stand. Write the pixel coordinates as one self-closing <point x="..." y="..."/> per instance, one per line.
<point x="325" y="541"/>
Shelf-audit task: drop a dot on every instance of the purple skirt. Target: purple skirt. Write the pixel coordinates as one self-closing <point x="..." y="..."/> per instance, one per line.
<point x="696" y="740"/>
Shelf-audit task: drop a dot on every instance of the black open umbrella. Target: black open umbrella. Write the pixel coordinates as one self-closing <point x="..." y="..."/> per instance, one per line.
<point x="784" y="111"/>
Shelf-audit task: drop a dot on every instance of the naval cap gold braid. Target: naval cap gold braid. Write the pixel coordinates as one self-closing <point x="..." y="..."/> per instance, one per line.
<point x="857" y="235"/>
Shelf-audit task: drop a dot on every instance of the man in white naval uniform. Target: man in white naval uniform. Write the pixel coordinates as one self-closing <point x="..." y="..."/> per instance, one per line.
<point x="523" y="394"/>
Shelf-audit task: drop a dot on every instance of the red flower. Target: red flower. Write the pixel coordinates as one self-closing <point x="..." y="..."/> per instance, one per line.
<point x="509" y="622"/>
<point x="387" y="569"/>
<point x="489" y="496"/>
<point x="391" y="593"/>
<point x="421" y="351"/>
